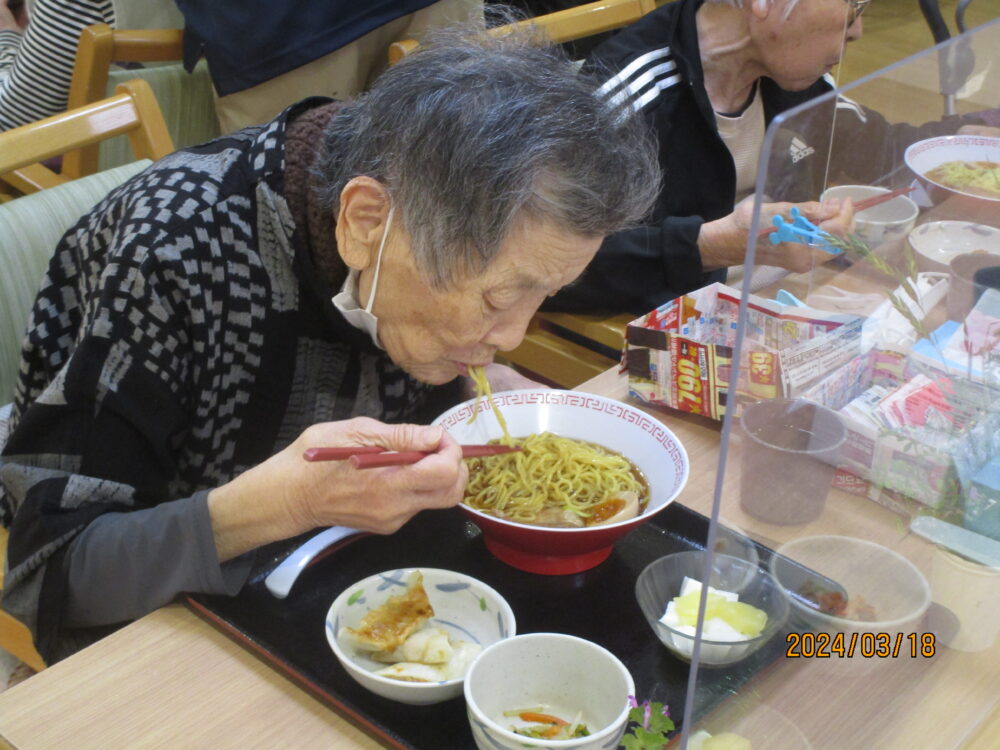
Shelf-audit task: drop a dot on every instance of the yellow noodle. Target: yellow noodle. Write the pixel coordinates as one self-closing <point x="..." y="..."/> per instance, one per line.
<point x="478" y="375"/>
<point x="977" y="177"/>
<point x="551" y="472"/>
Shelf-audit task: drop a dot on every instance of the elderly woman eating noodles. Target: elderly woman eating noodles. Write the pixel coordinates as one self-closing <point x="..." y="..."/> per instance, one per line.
<point x="320" y="280"/>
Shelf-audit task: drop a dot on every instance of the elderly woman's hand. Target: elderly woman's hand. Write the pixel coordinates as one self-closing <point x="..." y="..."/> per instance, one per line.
<point x="835" y="217"/>
<point x="286" y="495"/>
<point x="723" y="242"/>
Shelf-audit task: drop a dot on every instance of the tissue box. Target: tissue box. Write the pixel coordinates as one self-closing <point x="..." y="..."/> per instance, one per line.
<point x="680" y="354"/>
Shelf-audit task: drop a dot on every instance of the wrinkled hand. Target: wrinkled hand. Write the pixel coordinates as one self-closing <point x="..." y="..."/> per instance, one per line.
<point x="15" y="19"/>
<point x="835" y="217"/>
<point x="286" y="495"/>
<point x="723" y="242"/>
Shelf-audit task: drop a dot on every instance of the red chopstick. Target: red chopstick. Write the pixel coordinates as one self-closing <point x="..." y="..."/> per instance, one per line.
<point x="339" y="454"/>
<point x="860" y="205"/>
<point x="372" y="456"/>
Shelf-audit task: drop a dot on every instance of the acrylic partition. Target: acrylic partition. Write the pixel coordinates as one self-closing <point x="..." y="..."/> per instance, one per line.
<point x="861" y="440"/>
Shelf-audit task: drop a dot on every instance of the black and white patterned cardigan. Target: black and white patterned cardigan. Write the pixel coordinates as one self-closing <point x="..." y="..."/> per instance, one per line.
<point x="180" y="337"/>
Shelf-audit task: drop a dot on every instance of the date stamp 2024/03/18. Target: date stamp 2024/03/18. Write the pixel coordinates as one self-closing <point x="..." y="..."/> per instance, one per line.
<point x="866" y="645"/>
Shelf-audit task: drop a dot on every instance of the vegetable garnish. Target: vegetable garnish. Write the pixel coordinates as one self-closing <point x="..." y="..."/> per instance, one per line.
<point x="547" y="726"/>
<point x="653" y="724"/>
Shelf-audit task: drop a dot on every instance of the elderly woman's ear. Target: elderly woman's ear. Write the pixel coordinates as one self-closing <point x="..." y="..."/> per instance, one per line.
<point x="364" y="209"/>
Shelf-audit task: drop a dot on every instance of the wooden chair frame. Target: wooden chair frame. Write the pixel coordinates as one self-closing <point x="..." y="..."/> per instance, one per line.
<point x="133" y="111"/>
<point x="99" y="47"/>
<point x="563" y="25"/>
<point x="15" y="638"/>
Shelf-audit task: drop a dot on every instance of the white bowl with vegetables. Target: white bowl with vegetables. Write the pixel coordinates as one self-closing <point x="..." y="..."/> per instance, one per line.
<point x="411" y="634"/>
<point x="547" y="690"/>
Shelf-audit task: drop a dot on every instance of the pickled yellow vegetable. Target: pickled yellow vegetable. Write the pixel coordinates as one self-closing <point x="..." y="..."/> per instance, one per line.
<point x="742" y="617"/>
<point x="745" y="618"/>
<point x="687" y="606"/>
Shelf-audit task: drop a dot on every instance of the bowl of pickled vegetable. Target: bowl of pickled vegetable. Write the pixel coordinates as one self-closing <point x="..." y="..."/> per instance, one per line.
<point x="547" y="690"/>
<point x="744" y="606"/>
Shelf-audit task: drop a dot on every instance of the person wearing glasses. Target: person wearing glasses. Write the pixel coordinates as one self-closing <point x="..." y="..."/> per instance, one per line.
<point x="709" y="76"/>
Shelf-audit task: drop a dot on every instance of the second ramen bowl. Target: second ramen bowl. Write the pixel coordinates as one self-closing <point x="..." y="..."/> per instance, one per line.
<point x="923" y="156"/>
<point x="642" y="439"/>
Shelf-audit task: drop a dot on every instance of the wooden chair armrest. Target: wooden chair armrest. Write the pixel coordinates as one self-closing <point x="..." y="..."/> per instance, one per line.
<point x="32" y="178"/>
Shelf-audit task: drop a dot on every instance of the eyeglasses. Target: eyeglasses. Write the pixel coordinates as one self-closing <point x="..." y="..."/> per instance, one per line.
<point x="857" y="7"/>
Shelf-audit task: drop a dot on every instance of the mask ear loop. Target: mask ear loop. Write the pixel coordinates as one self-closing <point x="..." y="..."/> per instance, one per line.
<point x="378" y="260"/>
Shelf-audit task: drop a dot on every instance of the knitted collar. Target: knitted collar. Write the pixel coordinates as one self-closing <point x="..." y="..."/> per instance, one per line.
<point x="317" y="223"/>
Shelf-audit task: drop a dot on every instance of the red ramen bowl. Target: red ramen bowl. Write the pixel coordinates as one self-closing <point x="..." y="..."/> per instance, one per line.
<point x="642" y="439"/>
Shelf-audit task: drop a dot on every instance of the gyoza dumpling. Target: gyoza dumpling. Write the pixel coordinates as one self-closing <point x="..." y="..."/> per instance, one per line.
<point x="410" y="671"/>
<point x="427" y="646"/>
<point x="387" y="626"/>
<point x="464" y="653"/>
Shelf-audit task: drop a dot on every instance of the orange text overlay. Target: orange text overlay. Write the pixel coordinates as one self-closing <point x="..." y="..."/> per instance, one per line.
<point x="865" y="645"/>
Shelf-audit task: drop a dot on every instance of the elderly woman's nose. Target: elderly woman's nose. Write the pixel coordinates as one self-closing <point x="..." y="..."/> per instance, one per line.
<point x="855" y="30"/>
<point x="509" y="330"/>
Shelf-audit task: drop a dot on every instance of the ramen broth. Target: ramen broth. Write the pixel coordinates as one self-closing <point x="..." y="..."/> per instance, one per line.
<point x="974" y="177"/>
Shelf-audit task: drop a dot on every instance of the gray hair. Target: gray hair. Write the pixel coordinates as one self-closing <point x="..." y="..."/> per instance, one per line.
<point x="474" y="132"/>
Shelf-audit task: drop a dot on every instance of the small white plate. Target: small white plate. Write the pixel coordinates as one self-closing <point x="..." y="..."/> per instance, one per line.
<point x="938" y="242"/>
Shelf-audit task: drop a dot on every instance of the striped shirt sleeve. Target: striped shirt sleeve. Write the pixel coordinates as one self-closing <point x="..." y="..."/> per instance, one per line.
<point x="39" y="70"/>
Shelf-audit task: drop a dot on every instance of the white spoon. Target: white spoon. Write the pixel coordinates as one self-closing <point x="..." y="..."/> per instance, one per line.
<point x="280" y="580"/>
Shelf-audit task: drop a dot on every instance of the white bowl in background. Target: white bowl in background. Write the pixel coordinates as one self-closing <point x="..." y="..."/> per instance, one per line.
<point x="937" y="243"/>
<point x="464" y="606"/>
<point x="869" y="573"/>
<point x="881" y="223"/>
<point x="562" y="673"/>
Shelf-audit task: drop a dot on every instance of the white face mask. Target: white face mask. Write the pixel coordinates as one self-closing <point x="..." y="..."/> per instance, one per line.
<point x="347" y="301"/>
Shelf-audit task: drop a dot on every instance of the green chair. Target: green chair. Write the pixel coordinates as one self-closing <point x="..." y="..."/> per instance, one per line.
<point x="30" y="229"/>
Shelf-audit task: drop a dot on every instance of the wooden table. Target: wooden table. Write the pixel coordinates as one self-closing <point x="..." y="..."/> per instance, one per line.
<point x="172" y="680"/>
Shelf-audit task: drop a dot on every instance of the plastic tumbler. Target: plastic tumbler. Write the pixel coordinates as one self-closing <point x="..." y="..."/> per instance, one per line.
<point x="789" y="455"/>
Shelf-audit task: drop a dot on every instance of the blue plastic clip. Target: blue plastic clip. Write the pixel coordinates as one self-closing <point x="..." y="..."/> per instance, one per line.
<point x="785" y="297"/>
<point x="800" y="229"/>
